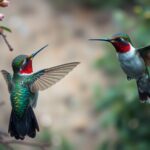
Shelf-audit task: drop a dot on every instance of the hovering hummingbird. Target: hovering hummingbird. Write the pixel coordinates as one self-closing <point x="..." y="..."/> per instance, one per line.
<point x="133" y="61"/>
<point x="24" y="86"/>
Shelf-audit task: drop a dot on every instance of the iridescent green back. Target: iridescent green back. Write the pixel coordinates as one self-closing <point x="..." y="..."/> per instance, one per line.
<point x="20" y="95"/>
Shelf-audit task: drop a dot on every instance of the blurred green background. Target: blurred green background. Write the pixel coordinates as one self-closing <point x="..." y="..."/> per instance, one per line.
<point x="94" y="107"/>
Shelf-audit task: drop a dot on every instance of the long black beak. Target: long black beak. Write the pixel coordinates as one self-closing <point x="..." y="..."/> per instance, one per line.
<point x="35" y="53"/>
<point x="106" y="40"/>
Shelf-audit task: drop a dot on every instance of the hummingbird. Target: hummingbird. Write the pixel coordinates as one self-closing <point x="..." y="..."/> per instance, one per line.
<point x="24" y="86"/>
<point x="133" y="61"/>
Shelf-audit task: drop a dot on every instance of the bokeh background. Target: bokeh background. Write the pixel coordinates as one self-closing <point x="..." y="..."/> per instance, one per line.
<point x="94" y="107"/>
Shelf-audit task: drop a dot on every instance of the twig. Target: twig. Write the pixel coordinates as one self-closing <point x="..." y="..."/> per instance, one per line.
<point x="37" y="145"/>
<point x="6" y="41"/>
<point x="8" y="143"/>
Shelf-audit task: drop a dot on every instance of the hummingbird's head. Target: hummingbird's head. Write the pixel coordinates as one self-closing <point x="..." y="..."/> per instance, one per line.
<point x="23" y="63"/>
<point x="121" y="42"/>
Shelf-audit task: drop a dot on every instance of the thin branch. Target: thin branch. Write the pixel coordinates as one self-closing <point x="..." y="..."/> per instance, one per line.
<point x="6" y="41"/>
<point x="8" y="143"/>
<point x="37" y="145"/>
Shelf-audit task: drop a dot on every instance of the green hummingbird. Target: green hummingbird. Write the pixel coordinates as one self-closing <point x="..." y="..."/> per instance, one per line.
<point x="134" y="62"/>
<point x="24" y="86"/>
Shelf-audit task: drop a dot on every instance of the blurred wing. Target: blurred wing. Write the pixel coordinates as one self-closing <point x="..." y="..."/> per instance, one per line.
<point x="145" y="53"/>
<point x="43" y="79"/>
<point x="8" y="78"/>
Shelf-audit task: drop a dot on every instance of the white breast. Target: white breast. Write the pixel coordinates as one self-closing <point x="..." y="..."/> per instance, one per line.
<point x="128" y="55"/>
<point x="131" y="63"/>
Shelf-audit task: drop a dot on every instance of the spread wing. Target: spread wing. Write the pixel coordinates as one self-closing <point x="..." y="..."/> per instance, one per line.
<point x="45" y="78"/>
<point x="145" y="53"/>
<point x="8" y="78"/>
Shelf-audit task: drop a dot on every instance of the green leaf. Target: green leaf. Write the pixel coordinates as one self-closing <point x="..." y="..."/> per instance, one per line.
<point x="5" y="28"/>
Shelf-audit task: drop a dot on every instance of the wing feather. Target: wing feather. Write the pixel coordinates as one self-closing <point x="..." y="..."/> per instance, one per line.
<point x="43" y="79"/>
<point x="8" y="78"/>
<point x="145" y="53"/>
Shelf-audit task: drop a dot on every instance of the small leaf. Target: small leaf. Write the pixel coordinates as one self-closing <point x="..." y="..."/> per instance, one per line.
<point x="5" y="28"/>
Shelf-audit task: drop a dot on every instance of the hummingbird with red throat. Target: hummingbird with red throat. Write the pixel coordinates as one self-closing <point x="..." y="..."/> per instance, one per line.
<point x="24" y="86"/>
<point x="134" y="62"/>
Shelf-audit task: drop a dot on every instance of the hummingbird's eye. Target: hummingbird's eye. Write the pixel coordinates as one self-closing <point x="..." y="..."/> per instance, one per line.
<point x="120" y="40"/>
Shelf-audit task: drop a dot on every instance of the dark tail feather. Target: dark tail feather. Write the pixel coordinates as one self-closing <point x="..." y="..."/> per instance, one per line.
<point x="143" y="96"/>
<point x="20" y="127"/>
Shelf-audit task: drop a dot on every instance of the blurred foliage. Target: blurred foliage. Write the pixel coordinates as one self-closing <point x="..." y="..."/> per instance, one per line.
<point x="109" y="65"/>
<point x="56" y="141"/>
<point x="137" y="23"/>
<point x="2" y="147"/>
<point x="65" y="145"/>
<point x="119" y="104"/>
<point x="46" y="136"/>
<point x="94" y="4"/>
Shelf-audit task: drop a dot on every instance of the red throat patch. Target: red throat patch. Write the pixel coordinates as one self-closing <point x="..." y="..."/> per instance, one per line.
<point x="121" y="47"/>
<point x="28" y="68"/>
